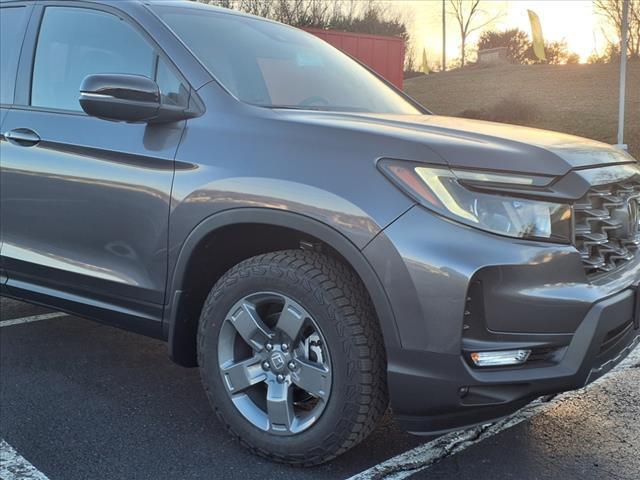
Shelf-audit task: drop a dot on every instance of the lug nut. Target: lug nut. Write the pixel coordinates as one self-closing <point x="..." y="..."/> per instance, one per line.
<point x="292" y="365"/>
<point x="265" y="365"/>
<point x="268" y="346"/>
<point x="280" y="378"/>
<point x="284" y="347"/>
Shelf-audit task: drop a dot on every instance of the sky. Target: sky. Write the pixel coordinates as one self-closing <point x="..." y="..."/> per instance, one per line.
<point x="571" y="20"/>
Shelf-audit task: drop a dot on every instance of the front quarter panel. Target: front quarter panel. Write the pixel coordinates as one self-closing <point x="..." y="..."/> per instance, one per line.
<point x="238" y="156"/>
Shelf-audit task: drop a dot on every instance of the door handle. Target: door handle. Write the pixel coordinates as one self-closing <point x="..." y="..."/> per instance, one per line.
<point x="22" y="137"/>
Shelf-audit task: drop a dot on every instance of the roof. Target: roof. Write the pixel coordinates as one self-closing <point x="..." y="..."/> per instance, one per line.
<point x="204" y="6"/>
<point x="175" y="3"/>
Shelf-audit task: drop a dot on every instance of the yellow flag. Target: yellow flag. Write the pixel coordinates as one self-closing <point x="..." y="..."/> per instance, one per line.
<point x="425" y="64"/>
<point x="536" y="33"/>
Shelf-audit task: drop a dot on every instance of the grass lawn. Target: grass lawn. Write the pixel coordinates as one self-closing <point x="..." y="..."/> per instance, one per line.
<point x="577" y="99"/>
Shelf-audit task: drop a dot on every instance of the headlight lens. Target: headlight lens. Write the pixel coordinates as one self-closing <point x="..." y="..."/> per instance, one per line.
<point x="442" y="190"/>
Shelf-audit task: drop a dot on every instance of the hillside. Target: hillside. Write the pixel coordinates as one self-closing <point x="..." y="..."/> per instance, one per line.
<point x="577" y="99"/>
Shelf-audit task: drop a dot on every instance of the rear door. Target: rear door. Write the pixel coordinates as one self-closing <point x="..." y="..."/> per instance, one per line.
<point x="84" y="201"/>
<point x="13" y="24"/>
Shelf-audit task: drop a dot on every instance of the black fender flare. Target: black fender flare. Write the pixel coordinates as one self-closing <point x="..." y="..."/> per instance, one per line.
<point x="179" y="337"/>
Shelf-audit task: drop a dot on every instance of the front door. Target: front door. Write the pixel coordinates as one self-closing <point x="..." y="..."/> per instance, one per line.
<point x="84" y="201"/>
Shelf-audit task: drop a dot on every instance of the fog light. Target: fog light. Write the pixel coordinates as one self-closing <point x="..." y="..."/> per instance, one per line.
<point x="500" y="359"/>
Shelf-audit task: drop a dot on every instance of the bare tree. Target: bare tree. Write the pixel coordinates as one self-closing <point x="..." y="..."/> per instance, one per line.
<point x="366" y="16"/>
<point x="218" y="3"/>
<point x="288" y="11"/>
<point x="257" y="7"/>
<point x="409" y="57"/>
<point x="611" y="11"/>
<point x="318" y="11"/>
<point x="470" y="17"/>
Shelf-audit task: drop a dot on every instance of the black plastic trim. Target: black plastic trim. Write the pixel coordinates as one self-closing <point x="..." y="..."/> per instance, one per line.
<point x="173" y="328"/>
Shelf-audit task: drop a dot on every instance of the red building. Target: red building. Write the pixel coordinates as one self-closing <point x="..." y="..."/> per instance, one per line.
<point x="383" y="54"/>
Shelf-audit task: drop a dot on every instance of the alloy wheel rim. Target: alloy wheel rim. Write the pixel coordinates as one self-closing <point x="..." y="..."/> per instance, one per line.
<point x="274" y="363"/>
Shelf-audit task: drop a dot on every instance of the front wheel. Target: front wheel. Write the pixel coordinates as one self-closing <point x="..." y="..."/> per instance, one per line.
<point x="291" y="356"/>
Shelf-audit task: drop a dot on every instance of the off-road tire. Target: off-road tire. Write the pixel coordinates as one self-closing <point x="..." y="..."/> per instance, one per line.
<point x="335" y="297"/>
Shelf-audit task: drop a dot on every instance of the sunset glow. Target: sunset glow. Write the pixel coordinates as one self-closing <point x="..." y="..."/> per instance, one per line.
<point x="573" y="21"/>
<point x="570" y="20"/>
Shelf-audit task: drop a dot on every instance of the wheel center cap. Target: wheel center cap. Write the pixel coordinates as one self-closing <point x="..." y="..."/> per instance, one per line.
<point x="278" y="360"/>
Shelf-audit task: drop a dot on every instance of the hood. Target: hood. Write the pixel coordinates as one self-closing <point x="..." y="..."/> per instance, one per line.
<point x="467" y="143"/>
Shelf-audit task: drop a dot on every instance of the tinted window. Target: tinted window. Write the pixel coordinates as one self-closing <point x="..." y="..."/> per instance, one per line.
<point x="173" y="91"/>
<point x="76" y="42"/>
<point x="273" y="65"/>
<point x="12" y="21"/>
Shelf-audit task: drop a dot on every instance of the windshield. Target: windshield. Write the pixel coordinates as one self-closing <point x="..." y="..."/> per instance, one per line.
<point x="273" y="65"/>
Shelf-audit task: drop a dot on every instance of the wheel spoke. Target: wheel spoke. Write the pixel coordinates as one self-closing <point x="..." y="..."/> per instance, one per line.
<point x="291" y="320"/>
<point x="241" y="375"/>
<point x="250" y="326"/>
<point x="312" y="378"/>
<point x="280" y="406"/>
<point x="288" y="355"/>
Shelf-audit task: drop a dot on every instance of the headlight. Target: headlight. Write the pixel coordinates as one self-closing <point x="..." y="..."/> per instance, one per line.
<point x="444" y="191"/>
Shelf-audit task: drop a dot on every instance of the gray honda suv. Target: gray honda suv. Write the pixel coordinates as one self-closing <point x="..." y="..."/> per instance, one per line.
<point x="315" y="241"/>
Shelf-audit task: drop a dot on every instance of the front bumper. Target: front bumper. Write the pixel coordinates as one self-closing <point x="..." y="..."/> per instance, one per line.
<point x="530" y="294"/>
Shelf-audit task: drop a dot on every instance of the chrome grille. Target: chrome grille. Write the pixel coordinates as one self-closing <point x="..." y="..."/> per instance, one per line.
<point x="607" y="226"/>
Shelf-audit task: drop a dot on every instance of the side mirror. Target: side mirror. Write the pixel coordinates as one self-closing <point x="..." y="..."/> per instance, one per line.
<point x="128" y="98"/>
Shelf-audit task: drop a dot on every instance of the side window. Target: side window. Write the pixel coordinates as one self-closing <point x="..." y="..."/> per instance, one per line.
<point x="172" y="90"/>
<point x="12" y="24"/>
<point x="76" y="42"/>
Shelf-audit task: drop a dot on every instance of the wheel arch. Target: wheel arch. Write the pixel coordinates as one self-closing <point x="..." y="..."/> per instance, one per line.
<point x="181" y="315"/>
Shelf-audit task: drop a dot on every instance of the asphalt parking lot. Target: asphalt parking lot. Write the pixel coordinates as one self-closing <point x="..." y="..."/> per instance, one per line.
<point x="79" y="400"/>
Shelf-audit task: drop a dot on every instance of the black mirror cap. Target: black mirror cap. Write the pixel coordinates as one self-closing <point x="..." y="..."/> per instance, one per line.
<point x="120" y="97"/>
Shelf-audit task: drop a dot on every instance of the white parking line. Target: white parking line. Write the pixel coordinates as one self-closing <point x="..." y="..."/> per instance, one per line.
<point x="34" y="318"/>
<point x="422" y="457"/>
<point x="14" y="467"/>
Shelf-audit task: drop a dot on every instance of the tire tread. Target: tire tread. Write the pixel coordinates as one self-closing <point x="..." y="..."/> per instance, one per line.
<point x="335" y="286"/>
